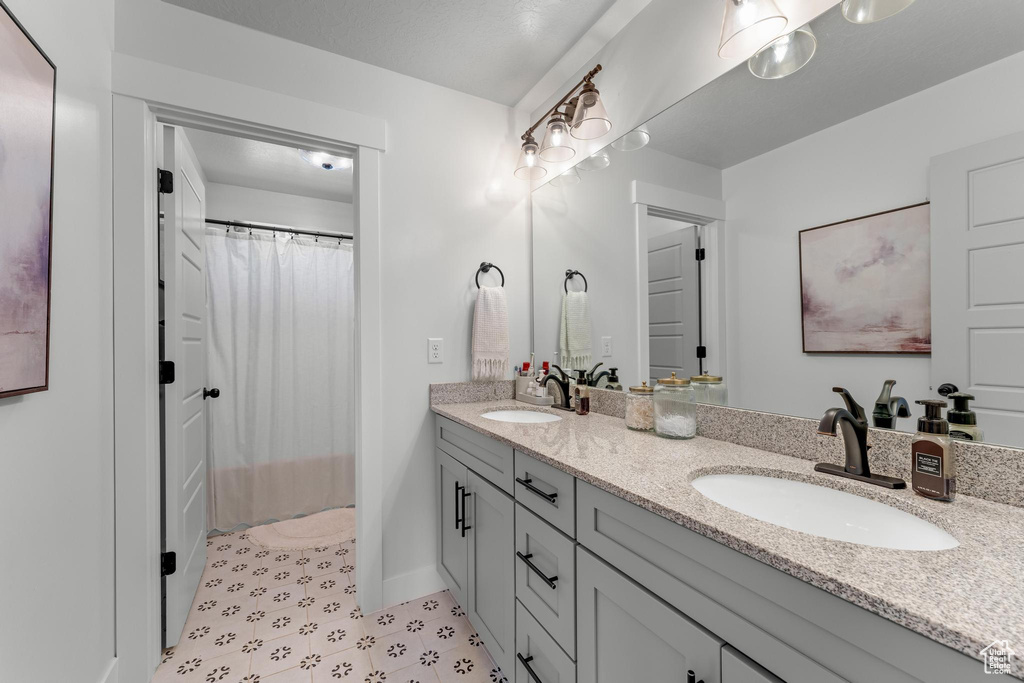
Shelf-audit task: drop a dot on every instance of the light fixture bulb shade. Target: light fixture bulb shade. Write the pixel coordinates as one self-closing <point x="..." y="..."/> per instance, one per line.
<point x="570" y="177"/>
<point x="557" y="145"/>
<point x="529" y="167"/>
<point x="595" y="162"/>
<point x="748" y="26"/>
<point x="870" y="11"/>
<point x="632" y="141"/>
<point x="591" y="119"/>
<point x="784" y="55"/>
<point x="328" y="162"/>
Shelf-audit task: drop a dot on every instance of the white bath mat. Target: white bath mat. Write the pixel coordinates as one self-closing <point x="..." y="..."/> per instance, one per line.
<point x="323" y="528"/>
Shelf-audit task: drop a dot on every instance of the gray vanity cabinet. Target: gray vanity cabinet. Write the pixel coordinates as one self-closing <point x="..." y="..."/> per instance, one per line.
<point x="490" y="605"/>
<point x="627" y="634"/>
<point x="452" y="543"/>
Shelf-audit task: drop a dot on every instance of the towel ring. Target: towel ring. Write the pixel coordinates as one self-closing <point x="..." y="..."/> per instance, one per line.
<point x="485" y="267"/>
<point x="569" y="275"/>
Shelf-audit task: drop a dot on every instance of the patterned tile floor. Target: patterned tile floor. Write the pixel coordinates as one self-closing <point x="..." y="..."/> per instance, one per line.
<point x="280" y="616"/>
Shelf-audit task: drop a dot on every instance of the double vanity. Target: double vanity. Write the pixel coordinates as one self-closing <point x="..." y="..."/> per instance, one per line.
<point x="583" y="551"/>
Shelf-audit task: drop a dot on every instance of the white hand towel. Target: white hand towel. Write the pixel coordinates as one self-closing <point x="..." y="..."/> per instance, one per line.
<point x="575" y="335"/>
<point x="490" y="335"/>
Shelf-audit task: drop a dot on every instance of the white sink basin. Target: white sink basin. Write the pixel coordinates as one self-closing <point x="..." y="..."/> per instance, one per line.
<point x="521" y="416"/>
<point x="823" y="512"/>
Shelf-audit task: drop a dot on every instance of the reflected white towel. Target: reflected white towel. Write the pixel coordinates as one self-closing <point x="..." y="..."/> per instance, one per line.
<point x="490" y="335"/>
<point x="574" y="340"/>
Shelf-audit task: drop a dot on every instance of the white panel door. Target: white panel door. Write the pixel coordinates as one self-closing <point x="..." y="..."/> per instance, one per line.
<point x="672" y="303"/>
<point x="185" y="444"/>
<point x="978" y="281"/>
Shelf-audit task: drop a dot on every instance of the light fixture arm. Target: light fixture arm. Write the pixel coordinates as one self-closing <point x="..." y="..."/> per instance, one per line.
<point x="585" y="83"/>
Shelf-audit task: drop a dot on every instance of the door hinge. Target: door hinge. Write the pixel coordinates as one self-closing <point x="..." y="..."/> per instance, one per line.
<point x="166" y="372"/>
<point x="702" y="352"/>
<point x="168" y="564"/>
<point x="165" y="181"/>
<point x="700" y="254"/>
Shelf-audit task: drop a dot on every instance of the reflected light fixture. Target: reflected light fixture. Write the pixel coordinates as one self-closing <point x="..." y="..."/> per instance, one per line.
<point x="328" y="162"/>
<point x="749" y="25"/>
<point x="570" y="177"/>
<point x="579" y="114"/>
<point x="557" y="145"/>
<point x="529" y="167"/>
<point x="633" y="140"/>
<point x="784" y="55"/>
<point x="595" y="162"/>
<point x="870" y="11"/>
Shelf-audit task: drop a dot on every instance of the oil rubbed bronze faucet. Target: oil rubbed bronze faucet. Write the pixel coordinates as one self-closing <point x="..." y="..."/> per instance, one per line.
<point x="854" y="424"/>
<point x="563" y="387"/>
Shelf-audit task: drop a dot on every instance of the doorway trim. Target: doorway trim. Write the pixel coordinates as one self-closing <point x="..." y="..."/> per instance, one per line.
<point x="145" y="94"/>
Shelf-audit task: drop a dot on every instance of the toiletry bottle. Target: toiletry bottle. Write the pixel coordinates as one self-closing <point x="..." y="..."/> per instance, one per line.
<point x="933" y="465"/>
<point x="582" y="394"/>
<point x="963" y="422"/>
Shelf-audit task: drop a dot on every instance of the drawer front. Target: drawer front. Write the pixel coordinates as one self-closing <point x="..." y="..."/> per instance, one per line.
<point x="737" y="668"/>
<point x="538" y="657"/>
<point x="546" y="577"/>
<point x="549" y="492"/>
<point x="491" y="459"/>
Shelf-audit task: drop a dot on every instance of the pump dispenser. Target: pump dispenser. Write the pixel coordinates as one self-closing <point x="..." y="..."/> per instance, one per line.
<point x="933" y="466"/>
<point x="963" y="422"/>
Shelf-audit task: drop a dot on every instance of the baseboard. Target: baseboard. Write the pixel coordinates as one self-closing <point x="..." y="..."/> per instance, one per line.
<point x="111" y="675"/>
<point x="410" y="585"/>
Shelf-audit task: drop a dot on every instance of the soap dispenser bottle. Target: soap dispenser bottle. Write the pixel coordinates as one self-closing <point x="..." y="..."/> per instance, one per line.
<point x="933" y="465"/>
<point x="963" y="422"/>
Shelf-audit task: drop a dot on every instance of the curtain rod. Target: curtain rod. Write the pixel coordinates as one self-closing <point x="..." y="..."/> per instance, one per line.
<point x="278" y="228"/>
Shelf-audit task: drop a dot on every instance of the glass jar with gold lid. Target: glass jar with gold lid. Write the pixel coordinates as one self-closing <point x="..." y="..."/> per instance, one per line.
<point x="675" y="410"/>
<point x="640" y="408"/>
<point x="709" y="389"/>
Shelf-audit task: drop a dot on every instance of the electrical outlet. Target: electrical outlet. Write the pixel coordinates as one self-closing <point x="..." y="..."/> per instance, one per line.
<point x="435" y="350"/>
<point x="606" y="347"/>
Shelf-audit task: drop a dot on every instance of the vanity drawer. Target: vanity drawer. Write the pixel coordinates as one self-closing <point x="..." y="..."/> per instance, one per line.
<point x="737" y="668"/>
<point x="487" y="457"/>
<point x="549" y="492"/>
<point x="546" y="577"/>
<point x="538" y="657"/>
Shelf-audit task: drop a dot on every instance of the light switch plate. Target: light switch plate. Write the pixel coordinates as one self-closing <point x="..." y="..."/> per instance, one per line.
<point x="606" y="347"/>
<point x="435" y="350"/>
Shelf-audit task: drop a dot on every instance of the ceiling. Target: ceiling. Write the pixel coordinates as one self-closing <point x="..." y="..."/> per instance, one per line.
<point x="495" y="49"/>
<point x="264" y="166"/>
<point x="855" y="70"/>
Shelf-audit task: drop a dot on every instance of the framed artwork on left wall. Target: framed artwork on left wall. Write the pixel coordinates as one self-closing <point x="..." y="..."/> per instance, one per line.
<point x="27" y="102"/>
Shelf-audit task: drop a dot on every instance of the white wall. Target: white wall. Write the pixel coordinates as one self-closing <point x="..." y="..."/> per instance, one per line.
<point x="57" y="490"/>
<point x="875" y="162"/>
<point x="234" y="203"/>
<point x="448" y="202"/>
<point x="591" y="227"/>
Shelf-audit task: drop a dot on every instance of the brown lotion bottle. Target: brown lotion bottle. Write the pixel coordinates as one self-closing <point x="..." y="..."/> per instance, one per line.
<point x="933" y="467"/>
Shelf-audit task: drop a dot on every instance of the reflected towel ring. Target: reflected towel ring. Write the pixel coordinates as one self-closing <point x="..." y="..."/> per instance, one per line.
<point x="485" y="267"/>
<point x="569" y="274"/>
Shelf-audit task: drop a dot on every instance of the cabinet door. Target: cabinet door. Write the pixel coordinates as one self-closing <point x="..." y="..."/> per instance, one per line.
<point x="627" y="634"/>
<point x="452" y="543"/>
<point x="490" y="519"/>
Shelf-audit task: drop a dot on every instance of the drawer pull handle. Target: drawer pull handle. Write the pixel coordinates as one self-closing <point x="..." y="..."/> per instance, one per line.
<point x="525" y="661"/>
<point x="550" y="581"/>
<point x="528" y="483"/>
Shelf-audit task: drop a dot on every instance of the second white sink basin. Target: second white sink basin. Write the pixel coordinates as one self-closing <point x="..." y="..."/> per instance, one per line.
<point x="823" y="512"/>
<point x="521" y="416"/>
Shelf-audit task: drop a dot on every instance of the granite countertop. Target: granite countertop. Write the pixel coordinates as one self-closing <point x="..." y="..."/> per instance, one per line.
<point x="981" y="595"/>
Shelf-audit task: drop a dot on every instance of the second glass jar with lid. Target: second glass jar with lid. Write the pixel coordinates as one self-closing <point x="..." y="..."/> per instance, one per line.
<point x="709" y="389"/>
<point x="675" y="410"/>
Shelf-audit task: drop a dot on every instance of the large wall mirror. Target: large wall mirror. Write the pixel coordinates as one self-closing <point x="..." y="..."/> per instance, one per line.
<point x="860" y="220"/>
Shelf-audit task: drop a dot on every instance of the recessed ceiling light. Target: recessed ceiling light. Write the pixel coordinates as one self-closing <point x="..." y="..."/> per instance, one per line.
<point x="328" y="162"/>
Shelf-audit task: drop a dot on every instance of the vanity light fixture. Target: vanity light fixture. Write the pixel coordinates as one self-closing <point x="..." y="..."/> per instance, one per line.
<point x="748" y="25"/>
<point x="570" y="177"/>
<point x="784" y="55"/>
<point x="633" y="140"/>
<point x="328" y="162"/>
<point x="579" y="114"/>
<point x="870" y="11"/>
<point x="595" y="162"/>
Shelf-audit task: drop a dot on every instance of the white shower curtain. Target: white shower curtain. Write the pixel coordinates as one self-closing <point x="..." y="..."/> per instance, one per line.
<point x="281" y="434"/>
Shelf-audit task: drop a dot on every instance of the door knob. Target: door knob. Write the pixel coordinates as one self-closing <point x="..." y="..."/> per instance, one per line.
<point x="947" y="389"/>
<point x="210" y="393"/>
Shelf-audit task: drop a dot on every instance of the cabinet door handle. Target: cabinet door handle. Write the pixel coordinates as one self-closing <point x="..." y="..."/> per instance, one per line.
<point x="550" y="581"/>
<point x="465" y="494"/>
<point x="525" y="661"/>
<point x="458" y="498"/>
<point x="528" y="483"/>
<point x="692" y="678"/>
